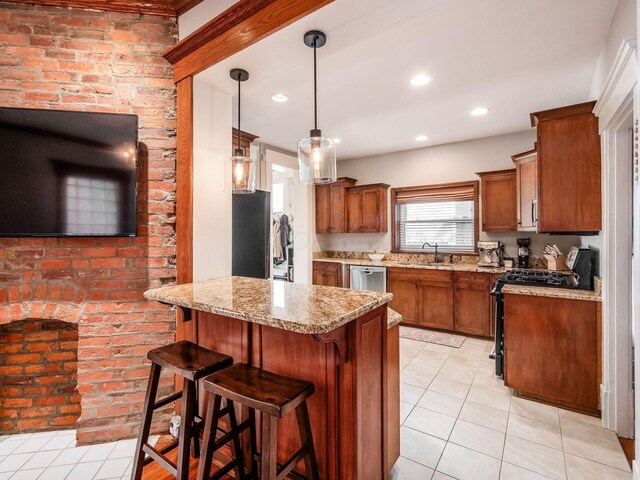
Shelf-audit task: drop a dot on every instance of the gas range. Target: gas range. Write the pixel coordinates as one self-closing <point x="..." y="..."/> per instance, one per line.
<point x="540" y="278"/>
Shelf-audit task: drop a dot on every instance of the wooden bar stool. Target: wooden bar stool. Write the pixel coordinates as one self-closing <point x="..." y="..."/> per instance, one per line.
<point x="192" y="363"/>
<point x="275" y="396"/>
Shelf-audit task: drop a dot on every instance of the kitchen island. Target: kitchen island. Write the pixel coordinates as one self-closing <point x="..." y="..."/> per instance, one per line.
<point x="336" y="338"/>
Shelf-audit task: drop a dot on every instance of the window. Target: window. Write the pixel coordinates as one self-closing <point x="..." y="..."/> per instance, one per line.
<point x="443" y="214"/>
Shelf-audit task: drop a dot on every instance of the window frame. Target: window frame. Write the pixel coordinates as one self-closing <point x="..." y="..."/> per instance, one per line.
<point x="395" y="230"/>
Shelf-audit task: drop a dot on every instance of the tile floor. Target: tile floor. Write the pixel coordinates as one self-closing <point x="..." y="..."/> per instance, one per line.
<point x="460" y="422"/>
<point x="54" y="456"/>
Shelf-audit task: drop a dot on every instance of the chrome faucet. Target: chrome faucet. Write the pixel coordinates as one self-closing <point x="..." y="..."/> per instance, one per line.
<point x="437" y="259"/>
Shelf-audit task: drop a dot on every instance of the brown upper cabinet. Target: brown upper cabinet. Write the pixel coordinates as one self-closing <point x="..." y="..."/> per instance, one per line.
<point x="498" y="193"/>
<point x="569" y="169"/>
<point x="331" y="206"/>
<point x="367" y="208"/>
<point x="527" y="190"/>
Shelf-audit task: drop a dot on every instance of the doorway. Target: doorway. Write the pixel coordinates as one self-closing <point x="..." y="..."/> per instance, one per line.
<point x="283" y="225"/>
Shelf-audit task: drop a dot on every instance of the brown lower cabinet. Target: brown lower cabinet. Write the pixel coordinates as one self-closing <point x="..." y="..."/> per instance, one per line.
<point x="446" y="300"/>
<point x="328" y="274"/>
<point x="551" y="350"/>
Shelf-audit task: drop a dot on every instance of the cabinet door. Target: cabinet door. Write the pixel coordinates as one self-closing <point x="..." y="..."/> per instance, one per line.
<point x="472" y="309"/>
<point x="372" y="211"/>
<point x="527" y="198"/>
<point x="499" y="202"/>
<point x="318" y="277"/>
<point x="436" y="305"/>
<point x="338" y="218"/>
<point x="569" y="165"/>
<point x="323" y="208"/>
<point x="332" y="275"/>
<point x="354" y="211"/>
<point x="405" y="298"/>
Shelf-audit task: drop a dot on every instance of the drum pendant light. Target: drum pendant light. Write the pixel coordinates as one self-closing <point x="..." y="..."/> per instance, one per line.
<point x="316" y="154"/>
<point x="243" y="168"/>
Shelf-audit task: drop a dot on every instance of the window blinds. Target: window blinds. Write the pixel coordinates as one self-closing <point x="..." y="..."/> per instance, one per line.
<point x="442" y="215"/>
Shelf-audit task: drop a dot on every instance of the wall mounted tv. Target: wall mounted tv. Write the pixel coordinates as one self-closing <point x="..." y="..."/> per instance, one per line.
<point x="65" y="173"/>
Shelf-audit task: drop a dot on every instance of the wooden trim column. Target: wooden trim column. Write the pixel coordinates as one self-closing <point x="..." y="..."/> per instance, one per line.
<point x="184" y="191"/>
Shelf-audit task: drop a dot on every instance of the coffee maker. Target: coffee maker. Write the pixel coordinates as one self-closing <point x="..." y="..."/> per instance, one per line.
<point x="524" y="252"/>
<point x="490" y="254"/>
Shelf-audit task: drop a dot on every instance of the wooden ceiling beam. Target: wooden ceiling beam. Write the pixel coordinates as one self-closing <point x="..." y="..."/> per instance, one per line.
<point x="182" y="6"/>
<point x="158" y="7"/>
<point x="235" y="29"/>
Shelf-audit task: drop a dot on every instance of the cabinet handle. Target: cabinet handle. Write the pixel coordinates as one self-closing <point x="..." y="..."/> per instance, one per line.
<point x="533" y="222"/>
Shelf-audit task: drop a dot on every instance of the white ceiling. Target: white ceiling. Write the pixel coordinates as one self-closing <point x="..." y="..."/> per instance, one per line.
<point x="513" y="56"/>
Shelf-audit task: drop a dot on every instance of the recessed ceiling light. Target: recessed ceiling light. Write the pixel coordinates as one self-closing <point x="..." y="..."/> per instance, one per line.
<point x="421" y="138"/>
<point x="279" y="97"/>
<point x="336" y="140"/>
<point x="476" y="112"/>
<point x="419" y="80"/>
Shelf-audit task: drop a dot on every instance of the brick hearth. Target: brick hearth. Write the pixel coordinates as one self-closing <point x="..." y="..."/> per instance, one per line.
<point x="61" y="58"/>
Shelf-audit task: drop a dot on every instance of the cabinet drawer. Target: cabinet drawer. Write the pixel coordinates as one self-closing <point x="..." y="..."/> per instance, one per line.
<point x="420" y="275"/>
<point x="473" y="277"/>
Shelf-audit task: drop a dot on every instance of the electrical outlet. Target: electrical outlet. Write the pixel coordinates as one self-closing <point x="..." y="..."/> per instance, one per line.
<point x="370" y="244"/>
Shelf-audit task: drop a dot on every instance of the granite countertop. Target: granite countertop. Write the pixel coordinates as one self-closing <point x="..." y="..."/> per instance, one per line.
<point x="571" y="294"/>
<point x="310" y="309"/>
<point x="393" y="318"/>
<point x="456" y="267"/>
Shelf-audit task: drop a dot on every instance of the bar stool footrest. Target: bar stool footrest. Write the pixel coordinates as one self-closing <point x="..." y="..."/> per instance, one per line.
<point x="167" y="400"/>
<point x="160" y="458"/>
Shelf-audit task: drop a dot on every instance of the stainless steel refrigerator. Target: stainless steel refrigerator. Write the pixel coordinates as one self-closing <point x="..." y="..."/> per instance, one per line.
<point x="251" y="234"/>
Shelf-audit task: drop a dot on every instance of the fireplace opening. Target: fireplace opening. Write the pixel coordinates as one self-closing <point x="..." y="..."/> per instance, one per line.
<point x="38" y="376"/>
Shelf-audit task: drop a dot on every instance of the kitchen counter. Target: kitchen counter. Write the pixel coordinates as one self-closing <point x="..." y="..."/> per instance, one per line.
<point x="456" y="267"/>
<point x="298" y="308"/>
<point x="567" y="293"/>
<point x="346" y="342"/>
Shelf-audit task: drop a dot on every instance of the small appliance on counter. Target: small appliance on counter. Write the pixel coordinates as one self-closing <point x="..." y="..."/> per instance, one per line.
<point x="491" y="254"/>
<point x="524" y="252"/>
<point x="580" y="261"/>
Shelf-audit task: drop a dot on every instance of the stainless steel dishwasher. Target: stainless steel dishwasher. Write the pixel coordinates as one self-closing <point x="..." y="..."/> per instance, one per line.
<point x="369" y="278"/>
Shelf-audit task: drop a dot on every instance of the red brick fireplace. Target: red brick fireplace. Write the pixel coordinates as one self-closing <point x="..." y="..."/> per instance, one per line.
<point x="65" y="58"/>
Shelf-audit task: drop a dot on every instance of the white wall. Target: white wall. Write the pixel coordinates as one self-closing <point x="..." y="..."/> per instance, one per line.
<point x="623" y="25"/>
<point x="202" y="13"/>
<point x="452" y="162"/>
<point x="211" y="182"/>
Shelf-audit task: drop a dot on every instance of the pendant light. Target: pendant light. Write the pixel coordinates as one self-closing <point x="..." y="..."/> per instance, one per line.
<point x="243" y="169"/>
<point x="316" y="154"/>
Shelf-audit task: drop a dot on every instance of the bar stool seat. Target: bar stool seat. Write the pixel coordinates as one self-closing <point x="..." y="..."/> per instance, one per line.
<point x="192" y="362"/>
<point x="275" y="396"/>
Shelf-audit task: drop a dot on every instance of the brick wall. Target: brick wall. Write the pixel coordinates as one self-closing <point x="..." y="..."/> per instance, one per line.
<point x="61" y="58"/>
<point x="38" y="375"/>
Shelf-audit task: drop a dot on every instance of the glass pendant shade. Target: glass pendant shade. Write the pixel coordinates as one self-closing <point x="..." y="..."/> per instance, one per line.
<point x="316" y="159"/>
<point x="243" y="173"/>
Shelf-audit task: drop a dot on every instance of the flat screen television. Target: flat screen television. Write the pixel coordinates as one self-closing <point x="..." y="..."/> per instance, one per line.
<point x="65" y="173"/>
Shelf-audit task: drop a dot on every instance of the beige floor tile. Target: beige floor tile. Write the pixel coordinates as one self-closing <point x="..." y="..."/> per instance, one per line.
<point x="420" y="447"/>
<point x="405" y="410"/>
<point x="410" y="393"/>
<point x="465" y="464"/>
<point x="406" y="469"/>
<point x="438" y="356"/>
<point x="461" y="374"/>
<point x="535" y="410"/>
<point x="478" y="438"/>
<point x="441" y="476"/>
<point x="428" y="421"/>
<point x="411" y="347"/>
<point x="484" y="416"/>
<point x="449" y="387"/>
<point x="535" y="431"/>
<point x="537" y="458"/>
<point x="415" y="377"/>
<point x="490" y="398"/>
<point x="584" y="442"/>
<point x="442" y="403"/>
<point x="405" y="360"/>
<point x="437" y="348"/>
<point x="585" y="424"/>
<point x="513" y="472"/>
<point x="491" y="382"/>
<point x="583" y="469"/>
<point x="424" y="366"/>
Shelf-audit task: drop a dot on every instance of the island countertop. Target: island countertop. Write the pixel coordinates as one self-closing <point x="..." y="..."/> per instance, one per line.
<point x="309" y="309"/>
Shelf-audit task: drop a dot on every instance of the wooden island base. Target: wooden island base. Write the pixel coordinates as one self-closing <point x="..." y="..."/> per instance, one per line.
<point x="350" y="417"/>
